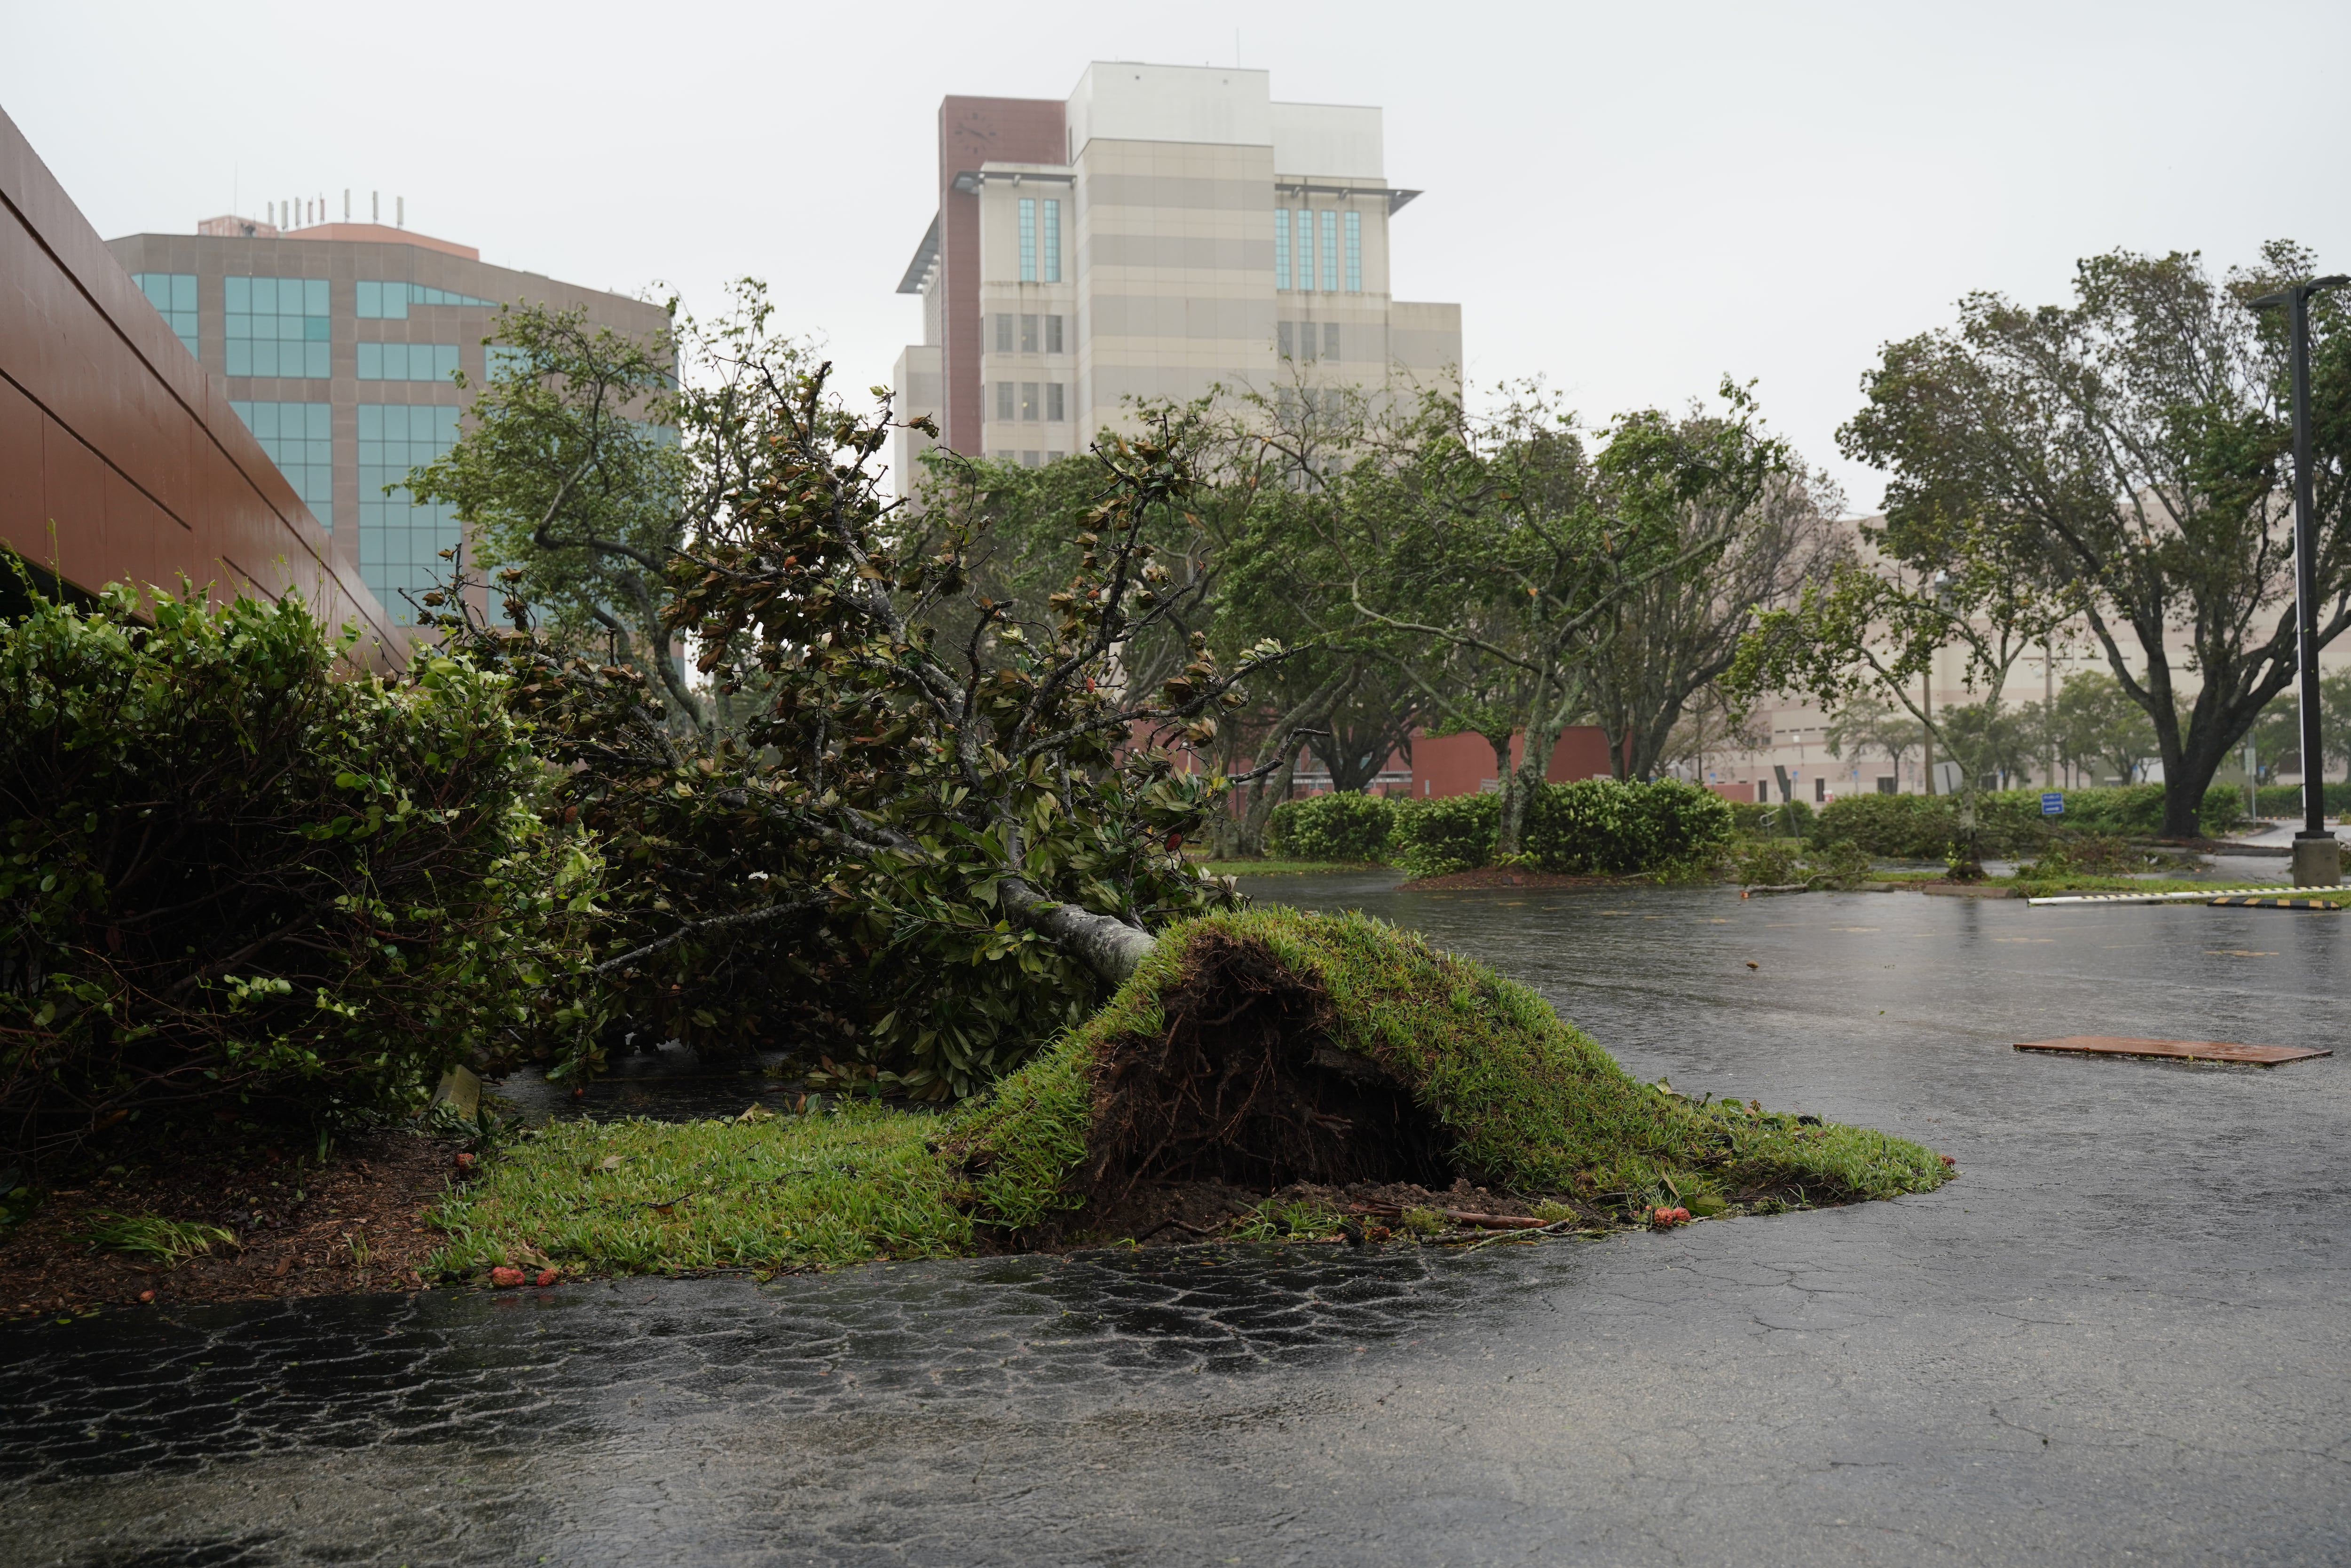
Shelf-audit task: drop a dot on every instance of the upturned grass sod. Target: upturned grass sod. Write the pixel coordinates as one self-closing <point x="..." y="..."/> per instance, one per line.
<point x="1265" y="1046"/>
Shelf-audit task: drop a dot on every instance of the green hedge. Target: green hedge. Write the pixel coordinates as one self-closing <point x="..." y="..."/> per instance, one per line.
<point x="1430" y="838"/>
<point x="238" y="886"/>
<point x="1919" y="827"/>
<point x="1345" y="826"/>
<point x="2285" y="799"/>
<point x="1600" y="827"/>
<point x="1593" y="827"/>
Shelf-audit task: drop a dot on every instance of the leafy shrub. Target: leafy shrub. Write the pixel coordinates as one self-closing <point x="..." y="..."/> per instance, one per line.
<point x="2285" y="799"/>
<point x="1343" y="826"/>
<point x="1770" y="862"/>
<point x="2010" y="821"/>
<point x="233" y="879"/>
<point x="1600" y="827"/>
<point x="1431" y="838"/>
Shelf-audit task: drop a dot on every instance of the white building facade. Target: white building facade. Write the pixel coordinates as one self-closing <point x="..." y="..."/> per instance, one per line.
<point x="1164" y="230"/>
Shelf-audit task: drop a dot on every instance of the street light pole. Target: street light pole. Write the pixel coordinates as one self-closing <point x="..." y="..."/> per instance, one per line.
<point x="2318" y="862"/>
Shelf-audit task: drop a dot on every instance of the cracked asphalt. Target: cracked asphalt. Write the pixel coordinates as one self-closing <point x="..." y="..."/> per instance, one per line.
<point x="2123" y="1336"/>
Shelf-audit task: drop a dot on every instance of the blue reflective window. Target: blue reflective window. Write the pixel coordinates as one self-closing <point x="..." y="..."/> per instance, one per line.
<point x="174" y="294"/>
<point x="380" y="302"/>
<point x="400" y="542"/>
<point x="276" y="327"/>
<point x="1304" y="271"/>
<point x="1330" y="252"/>
<point x="1355" y="253"/>
<point x="299" y="438"/>
<point x="406" y="362"/>
<point x="500" y="360"/>
<point x="1052" y="240"/>
<point x="1282" y="248"/>
<point x="1028" y="239"/>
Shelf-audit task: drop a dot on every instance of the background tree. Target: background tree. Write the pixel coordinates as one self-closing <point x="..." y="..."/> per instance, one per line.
<point x="1676" y="633"/>
<point x="2095" y="724"/>
<point x="1512" y="551"/>
<point x="1867" y="724"/>
<point x="590" y="458"/>
<point x="2138" y="440"/>
<point x="1872" y="633"/>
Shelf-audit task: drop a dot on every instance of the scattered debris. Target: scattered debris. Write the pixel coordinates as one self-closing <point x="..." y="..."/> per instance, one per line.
<point x="2173" y="1050"/>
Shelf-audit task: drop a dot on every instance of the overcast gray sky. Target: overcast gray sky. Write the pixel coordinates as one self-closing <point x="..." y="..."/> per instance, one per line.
<point x="1628" y="200"/>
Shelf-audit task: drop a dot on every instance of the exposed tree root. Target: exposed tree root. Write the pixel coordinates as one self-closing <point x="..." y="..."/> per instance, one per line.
<point x="1243" y="1086"/>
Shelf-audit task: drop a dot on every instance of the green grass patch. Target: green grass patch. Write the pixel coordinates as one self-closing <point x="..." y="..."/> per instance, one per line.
<point x="848" y="1185"/>
<point x="1521" y="1100"/>
<point x="170" y="1242"/>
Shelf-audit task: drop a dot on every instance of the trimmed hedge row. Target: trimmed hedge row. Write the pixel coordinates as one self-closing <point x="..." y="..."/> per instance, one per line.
<point x="1592" y="827"/>
<point x="2285" y="799"/>
<point x="1343" y="826"/>
<point x="2010" y="821"/>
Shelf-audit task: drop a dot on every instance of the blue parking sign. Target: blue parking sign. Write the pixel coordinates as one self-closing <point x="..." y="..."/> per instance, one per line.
<point x="2052" y="804"/>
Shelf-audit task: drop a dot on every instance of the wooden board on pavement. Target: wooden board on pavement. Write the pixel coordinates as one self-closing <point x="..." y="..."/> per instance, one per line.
<point x="2172" y="1049"/>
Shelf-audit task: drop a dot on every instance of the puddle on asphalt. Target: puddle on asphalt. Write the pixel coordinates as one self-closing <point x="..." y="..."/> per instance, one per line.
<point x="137" y="1392"/>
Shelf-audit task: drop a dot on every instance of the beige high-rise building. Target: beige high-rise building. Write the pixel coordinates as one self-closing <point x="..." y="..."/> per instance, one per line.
<point x="1162" y="230"/>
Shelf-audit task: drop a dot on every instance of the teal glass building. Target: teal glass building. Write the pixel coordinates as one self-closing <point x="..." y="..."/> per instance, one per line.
<point x="341" y="344"/>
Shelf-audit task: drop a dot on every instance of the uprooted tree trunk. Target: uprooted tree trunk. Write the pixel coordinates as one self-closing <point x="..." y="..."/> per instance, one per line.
<point x="1102" y="942"/>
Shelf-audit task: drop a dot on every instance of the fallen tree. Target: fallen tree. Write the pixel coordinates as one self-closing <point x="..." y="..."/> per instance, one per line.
<point x="948" y="825"/>
<point x="1252" y="1052"/>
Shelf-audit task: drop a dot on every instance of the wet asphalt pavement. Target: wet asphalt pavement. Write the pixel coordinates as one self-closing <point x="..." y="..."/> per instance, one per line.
<point x="2123" y="1336"/>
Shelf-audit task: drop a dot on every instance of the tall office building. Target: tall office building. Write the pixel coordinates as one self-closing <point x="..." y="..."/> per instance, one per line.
<point x="1164" y="229"/>
<point x="338" y="342"/>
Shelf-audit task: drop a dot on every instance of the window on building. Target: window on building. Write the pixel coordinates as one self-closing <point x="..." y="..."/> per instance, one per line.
<point x="378" y="301"/>
<point x="1329" y="339"/>
<point x="1282" y="248"/>
<point x="299" y="438"/>
<point x="1820" y="789"/>
<point x="1027" y="334"/>
<point x="1056" y="407"/>
<point x="1004" y="400"/>
<point x="1028" y="239"/>
<point x="1053" y="335"/>
<point x="1004" y="334"/>
<point x="407" y="361"/>
<point x="276" y="326"/>
<point x="1281" y="340"/>
<point x="1355" y="253"/>
<point x="1028" y="460"/>
<point x="1055" y="456"/>
<point x="499" y="359"/>
<point x="401" y="542"/>
<point x="1028" y="401"/>
<point x="174" y="294"/>
<point x="1330" y="252"/>
<point x="1052" y="240"/>
<point x="1004" y="456"/>
<point x="1305" y="231"/>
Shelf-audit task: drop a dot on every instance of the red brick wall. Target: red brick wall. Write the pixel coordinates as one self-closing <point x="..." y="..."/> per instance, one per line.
<point x="972" y="131"/>
<point x="120" y="460"/>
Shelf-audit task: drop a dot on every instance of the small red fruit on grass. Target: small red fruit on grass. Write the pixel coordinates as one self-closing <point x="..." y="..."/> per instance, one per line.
<point x="146" y="1295"/>
<point x="464" y="1161"/>
<point x="1666" y="1218"/>
<point x="545" y="1277"/>
<point x="502" y="1275"/>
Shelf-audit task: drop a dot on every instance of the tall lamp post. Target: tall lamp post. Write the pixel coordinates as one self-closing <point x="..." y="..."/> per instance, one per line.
<point x="2317" y="861"/>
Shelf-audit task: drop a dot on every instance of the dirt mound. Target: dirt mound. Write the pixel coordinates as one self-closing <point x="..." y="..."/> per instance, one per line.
<point x="1243" y="1085"/>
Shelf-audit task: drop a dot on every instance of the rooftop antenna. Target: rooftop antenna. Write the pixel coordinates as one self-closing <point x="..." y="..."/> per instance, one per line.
<point x="347" y="203"/>
<point x="400" y="207"/>
<point x="375" y="206"/>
